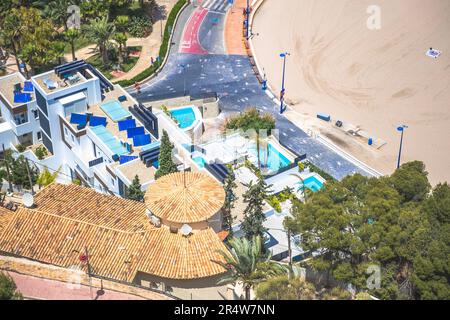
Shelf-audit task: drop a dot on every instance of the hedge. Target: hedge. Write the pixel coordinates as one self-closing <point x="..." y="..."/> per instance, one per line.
<point x="162" y="50"/>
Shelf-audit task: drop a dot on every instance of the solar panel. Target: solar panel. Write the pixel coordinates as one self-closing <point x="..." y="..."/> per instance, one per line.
<point x="141" y="140"/>
<point x="97" y="121"/>
<point x="131" y="132"/>
<point x="78" y="118"/>
<point x="126" y="124"/>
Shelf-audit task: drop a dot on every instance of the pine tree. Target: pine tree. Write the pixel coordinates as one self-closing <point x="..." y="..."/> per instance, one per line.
<point x="134" y="191"/>
<point x="230" y="199"/>
<point x="254" y="214"/>
<point x="166" y="164"/>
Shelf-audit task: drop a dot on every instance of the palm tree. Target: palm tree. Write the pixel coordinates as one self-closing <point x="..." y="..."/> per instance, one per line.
<point x="46" y="177"/>
<point x="100" y="32"/>
<point x="56" y="11"/>
<point x="299" y="177"/>
<point x="72" y="35"/>
<point x="248" y="264"/>
<point x="58" y="49"/>
<point x="121" y="23"/>
<point x="121" y="39"/>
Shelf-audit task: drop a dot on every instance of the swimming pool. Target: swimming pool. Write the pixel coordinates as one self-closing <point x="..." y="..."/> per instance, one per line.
<point x="200" y="161"/>
<point x="312" y="183"/>
<point x="184" y="116"/>
<point x="270" y="157"/>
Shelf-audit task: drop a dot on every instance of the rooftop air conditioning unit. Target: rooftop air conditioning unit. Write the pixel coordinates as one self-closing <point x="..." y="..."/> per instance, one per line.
<point x="186" y="230"/>
<point x="155" y="221"/>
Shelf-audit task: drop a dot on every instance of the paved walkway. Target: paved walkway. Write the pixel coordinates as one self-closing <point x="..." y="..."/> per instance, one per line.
<point x="44" y="289"/>
<point x="150" y="45"/>
<point x="234" y="37"/>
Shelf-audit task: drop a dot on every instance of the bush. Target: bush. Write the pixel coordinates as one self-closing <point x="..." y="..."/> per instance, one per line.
<point x="140" y="27"/>
<point x="274" y="202"/>
<point x="41" y="152"/>
<point x="21" y="148"/>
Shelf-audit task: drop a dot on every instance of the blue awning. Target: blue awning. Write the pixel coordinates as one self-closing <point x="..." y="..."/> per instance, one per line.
<point x="131" y="132"/>
<point x="28" y="86"/>
<point x="141" y="140"/>
<point x="22" y="97"/>
<point x="125" y="159"/>
<point x="97" y="121"/>
<point x="78" y="118"/>
<point x="126" y="124"/>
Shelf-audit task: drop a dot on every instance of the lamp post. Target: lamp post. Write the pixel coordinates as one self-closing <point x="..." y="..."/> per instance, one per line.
<point x="283" y="55"/>
<point x="247" y="20"/>
<point x="402" y="130"/>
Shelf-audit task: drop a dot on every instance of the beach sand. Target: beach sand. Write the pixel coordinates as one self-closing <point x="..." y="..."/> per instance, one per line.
<point x="373" y="79"/>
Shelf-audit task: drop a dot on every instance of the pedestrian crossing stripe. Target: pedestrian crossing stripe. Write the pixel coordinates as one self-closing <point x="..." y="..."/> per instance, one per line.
<point x="220" y="6"/>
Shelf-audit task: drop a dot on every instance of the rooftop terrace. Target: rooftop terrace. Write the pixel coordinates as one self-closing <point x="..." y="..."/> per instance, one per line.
<point x="7" y="84"/>
<point x="50" y="82"/>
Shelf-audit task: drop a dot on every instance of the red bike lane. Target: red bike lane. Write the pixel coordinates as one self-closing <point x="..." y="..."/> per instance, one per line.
<point x="190" y="42"/>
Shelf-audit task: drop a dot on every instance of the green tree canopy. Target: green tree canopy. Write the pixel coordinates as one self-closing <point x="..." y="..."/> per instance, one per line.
<point x="166" y="164"/>
<point x="229" y="186"/>
<point x="283" y="288"/>
<point x="385" y="222"/>
<point x="134" y="191"/>
<point x="254" y="217"/>
<point x="8" y="289"/>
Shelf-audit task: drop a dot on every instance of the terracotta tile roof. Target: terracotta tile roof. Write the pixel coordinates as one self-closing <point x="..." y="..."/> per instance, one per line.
<point x="84" y="204"/>
<point x="5" y="217"/>
<point x="177" y="257"/>
<point x="117" y="248"/>
<point x="185" y="197"/>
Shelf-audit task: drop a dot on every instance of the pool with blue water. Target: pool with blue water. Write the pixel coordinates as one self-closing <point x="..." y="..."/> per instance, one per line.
<point x="184" y="116"/>
<point x="312" y="183"/>
<point x="270" y="157"/>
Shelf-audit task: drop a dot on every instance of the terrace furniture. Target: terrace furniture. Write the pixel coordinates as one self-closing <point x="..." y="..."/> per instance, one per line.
<point x="122" y="98"/>
<point x="50" y="84"/>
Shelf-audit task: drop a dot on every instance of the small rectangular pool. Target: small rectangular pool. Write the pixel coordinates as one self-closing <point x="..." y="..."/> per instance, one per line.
<point x="184" y="116"/>
<point x="312" y="183"/>
<point x="270" y="157"/>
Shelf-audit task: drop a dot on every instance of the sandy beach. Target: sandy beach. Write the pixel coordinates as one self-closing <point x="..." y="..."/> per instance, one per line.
<point x="373" y="79"/>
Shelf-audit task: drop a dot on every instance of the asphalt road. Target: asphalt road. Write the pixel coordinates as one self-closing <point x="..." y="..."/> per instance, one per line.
<point x="232" y="78"/>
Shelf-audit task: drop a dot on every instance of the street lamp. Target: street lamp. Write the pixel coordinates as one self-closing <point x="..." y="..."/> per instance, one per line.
<point x="247" y="11"/>
<point x="283" y="55"/>
<point x="402" y="130"/>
